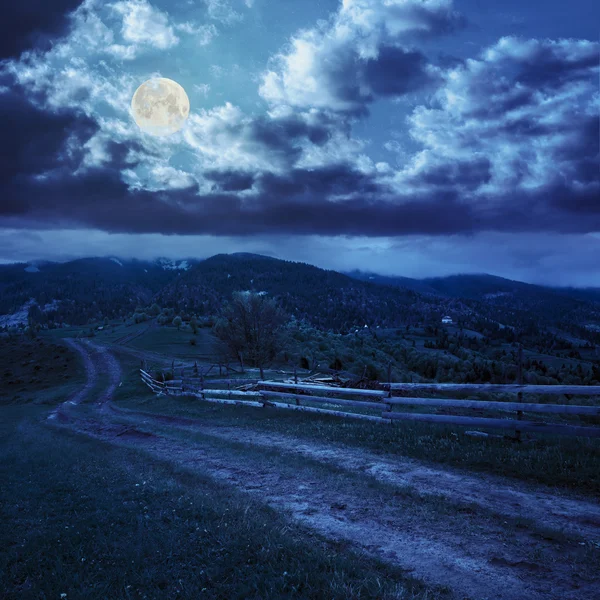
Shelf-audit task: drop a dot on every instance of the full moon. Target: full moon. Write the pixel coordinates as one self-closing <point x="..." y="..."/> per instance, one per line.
<point x="160" y="106"/>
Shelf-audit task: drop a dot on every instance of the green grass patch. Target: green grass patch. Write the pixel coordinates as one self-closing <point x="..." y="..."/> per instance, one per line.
<point x="37" y="371"/>
<point x="93" y="521"/>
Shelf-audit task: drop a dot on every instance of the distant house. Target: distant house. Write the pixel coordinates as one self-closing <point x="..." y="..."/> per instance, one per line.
<point x="447" y="320"/>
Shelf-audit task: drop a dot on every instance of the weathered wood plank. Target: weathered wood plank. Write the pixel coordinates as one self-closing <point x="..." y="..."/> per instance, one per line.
<point x="311" y="409"/>
<point x="581" y="390"/>
<point x="531" y="426"/>
<point x="232" y="393"/>
<point x="323" y="388"/>
<point x="342" y="401"/>
<point x="231" y="381"/>
<point x="504" y="406"/>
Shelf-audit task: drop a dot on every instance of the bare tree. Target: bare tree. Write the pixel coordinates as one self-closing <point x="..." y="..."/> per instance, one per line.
<point x="251" y="327"/>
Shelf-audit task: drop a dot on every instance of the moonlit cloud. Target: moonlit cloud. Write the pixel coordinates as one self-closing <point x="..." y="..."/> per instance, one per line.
<point x="361" y="53"/>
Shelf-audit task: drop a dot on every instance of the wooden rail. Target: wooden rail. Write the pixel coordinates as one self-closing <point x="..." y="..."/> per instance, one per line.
<point x="581" y="390"/>
<point x="384" y="401"/>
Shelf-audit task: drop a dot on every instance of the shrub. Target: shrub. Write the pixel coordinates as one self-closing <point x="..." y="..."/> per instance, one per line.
<point x="336" y="365"/>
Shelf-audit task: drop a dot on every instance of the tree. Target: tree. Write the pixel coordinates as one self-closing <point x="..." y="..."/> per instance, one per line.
<point x="177" y="322"/>
<point x="251" y="326"/>
<point x="194" y="325"/>
<point x="154" y="310"/>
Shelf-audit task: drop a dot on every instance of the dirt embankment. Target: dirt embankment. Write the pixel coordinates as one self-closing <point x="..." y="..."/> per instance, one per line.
<point x="446" y="527"/>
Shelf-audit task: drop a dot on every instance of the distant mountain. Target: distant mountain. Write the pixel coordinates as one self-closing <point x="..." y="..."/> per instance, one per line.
<point x="324" y="298"/>
<point x="506" y="301"/>
<point x="87" y="288"/>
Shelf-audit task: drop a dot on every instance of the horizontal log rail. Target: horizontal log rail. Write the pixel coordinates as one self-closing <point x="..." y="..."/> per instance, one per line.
<point x="581" y="390"/>
<point x="341" y="401"/>
<point x="566" y="409"/>
<point x="322" y="388"/>
<point x="383" y="399"/>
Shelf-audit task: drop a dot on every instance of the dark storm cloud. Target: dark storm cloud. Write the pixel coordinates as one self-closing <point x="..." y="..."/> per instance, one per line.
<point x="396" y="71"/>
<point x="282" y="135"/>
<point x="548" y="66"/>
<point x="466" y="174"/>
<point x="33" y="24"/>
<point x="101" y="200"/>
<point x="358" y="82"/>
<point x="230" y="181"/>
<point x="361" y="54"/>
<point x="38" y="141"/>
<point x="536" y="138"/>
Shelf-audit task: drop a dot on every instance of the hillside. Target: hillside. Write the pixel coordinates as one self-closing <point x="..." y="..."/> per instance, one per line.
<point x="84" y="289"/>
<point x="91" y="289"/>
<point x="506" y="302"/>
<point x="326" y="299"/>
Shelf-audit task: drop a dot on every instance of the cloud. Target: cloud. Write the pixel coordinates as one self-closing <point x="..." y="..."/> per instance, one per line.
<point x="202" y="88"/>
<point x="221" y="10"/>
<point x="143" y="25"/>
<point x="359" y="54"/>
<point x="203" y="34"/>
<point x="516" y="132"/>
<point x="33" y="24"/>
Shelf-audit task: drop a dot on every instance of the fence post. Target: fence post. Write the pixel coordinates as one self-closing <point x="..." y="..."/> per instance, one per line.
<point x="228" y="390"/>
<point x="220" y="372"/>
<point x="389" y="376"/>
<point x="519" y="394"/>
<point x="295" y="376"/>
<point x="202" y="383"/>
<point x="173" y="368"/>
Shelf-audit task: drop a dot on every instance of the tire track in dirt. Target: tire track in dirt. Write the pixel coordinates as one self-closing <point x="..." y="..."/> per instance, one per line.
<point x="575" y="516"/>
<point x="110" y="366"/>
<point x="91" y="375"/>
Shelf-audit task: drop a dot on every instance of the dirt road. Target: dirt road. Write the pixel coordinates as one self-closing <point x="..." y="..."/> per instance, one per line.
<point x="447" y="527"/>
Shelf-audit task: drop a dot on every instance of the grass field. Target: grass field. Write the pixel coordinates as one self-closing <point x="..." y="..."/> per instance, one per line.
<point x="37" y="371"/>
<point x="91" y="521"/>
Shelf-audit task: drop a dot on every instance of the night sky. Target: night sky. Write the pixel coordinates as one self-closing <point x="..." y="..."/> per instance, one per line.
<point x="409" y="137"/>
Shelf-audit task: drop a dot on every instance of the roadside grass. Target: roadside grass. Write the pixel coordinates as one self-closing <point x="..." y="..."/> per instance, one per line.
<point x="93" y="521"/>
<point x="37" y="371"/>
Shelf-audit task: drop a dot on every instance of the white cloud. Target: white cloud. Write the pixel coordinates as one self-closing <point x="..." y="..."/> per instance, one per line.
<point x="202" y="88"/>
<point x="524" y="105"/>
<point x="203" y="34"/>
<point x="221" y="10"/>
<point x="325" y="66"/>
<point x="145" y="25"/>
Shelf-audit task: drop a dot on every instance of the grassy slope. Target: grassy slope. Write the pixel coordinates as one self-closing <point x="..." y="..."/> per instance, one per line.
<point x="37" y="371"/>
<point x="92" y="521"/>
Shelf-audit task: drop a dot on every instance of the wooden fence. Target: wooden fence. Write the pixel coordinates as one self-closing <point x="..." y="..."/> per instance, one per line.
<point x="386" y="403"/>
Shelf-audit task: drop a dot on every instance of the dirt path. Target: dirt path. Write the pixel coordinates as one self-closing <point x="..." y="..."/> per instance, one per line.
<point x="535" y="504"/>
<point x="426" y="520"/>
